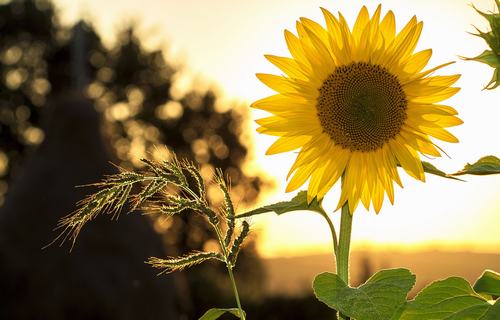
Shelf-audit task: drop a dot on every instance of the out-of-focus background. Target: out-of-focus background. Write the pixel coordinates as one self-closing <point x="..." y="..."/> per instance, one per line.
<point x="84" y="84"/>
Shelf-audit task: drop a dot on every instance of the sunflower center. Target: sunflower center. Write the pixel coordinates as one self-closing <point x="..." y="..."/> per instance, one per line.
<point x="361" y="106"/>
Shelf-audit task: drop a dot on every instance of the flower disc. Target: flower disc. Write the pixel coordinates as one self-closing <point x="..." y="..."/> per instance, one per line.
<point x="361" y="106"/>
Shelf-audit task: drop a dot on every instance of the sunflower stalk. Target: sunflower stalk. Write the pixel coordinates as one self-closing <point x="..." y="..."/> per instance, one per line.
<point x="344" y="247"/>
<point x="166" y="188"/>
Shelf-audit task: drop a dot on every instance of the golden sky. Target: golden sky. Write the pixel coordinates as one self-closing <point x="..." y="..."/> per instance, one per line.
<point x="223" y="42"/>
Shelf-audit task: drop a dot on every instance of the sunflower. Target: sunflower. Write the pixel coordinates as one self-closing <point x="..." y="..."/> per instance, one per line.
<point x="357" y="104"/>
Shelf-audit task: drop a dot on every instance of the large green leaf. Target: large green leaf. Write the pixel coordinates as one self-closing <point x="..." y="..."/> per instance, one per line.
<point x="449" y="299"/>
<point x="488" y="283"/>
<point x="485" y="165"/>
<point x="299" y="202"/>
<point x="215" y="313"/>
<point x="380" y="298"/>
<point x="493" y="312"/>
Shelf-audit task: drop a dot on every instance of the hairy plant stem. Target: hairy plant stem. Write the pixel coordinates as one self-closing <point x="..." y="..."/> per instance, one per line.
<point x="344" y="246"/>
<point x="229" y="271"/>
<point x="235" y="290"/>
<point x="332" y="231"/>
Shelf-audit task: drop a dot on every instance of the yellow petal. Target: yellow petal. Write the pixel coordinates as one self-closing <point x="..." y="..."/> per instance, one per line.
<point x="318" y="30"/>
<point x="286" y="85"/>
<point x="436" y="94"/>
<point x="290" y="123"/>
<point x="446" y="122"/>
<point x="336" y="39"/>
<point x="321" y="56"/>
<point x="376" y="15"/>
<point x="285" y="144"/>
<point x="417" y="62"/>
<point x="318" y="145"/>
<point x="300" y="176"/>
<point x="430" y="109"/>
<point x="334" y="170"/>
<point x="378" y="196"/>
<point x="278" y="103"/>
<point x="361" y="23"/>
<point x="288" y="65"/>
<point x="420" y="143"/>
<point x="352" y="185"/>
<point x="295" y="48"/>
<point x="408" y="158"/>
<point x="403" y="46"/>
<point x="277" y="83"/>
<point x="345" y="35"/>
<point x="388" y="27"/>
<point x="440" y="81"/>
<point x="316" y="177"/>
<point x="390" y="163"/>
<point x="427" y="72"/>
<point x="440" y="134"/>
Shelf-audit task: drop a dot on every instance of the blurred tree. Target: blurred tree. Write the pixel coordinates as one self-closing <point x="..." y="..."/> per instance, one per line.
<point x="132" y="88"/>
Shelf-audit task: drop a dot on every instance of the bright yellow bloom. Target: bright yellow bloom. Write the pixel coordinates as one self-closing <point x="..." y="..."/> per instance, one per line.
<point x="357" y="104"/>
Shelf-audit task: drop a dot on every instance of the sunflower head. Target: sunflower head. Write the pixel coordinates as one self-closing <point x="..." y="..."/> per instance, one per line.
<point x="358" y="104"/>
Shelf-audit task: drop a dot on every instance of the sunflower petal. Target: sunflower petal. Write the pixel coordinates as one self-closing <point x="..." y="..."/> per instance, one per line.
<point x="361" y="22"/>
<point x="278" y="103"/>
<point x="388" y="27"/>
<point x="408" y="159"/>
<point x="417" y="62"/>
<point x="295" y="48"/>
<point x="285" y="144"/>
<point x="288" y="65"/>
<point x="436" y="94"/>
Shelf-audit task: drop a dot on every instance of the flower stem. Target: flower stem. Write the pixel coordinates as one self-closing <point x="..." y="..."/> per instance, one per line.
<point x="229" y="270"/>
<point x="344" y="246"/>
<point x="332" y="231"/>
<point x="235" y="290"/>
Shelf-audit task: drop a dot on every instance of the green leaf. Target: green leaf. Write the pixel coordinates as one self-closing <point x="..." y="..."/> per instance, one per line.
<point x="215" y="313"/>
<point x="449" y="299"/>
<point x="380" y="298"/>
<point x="488" y="283"/>
<point x="299" y="202"/>
<point x="493" y="312"/>
<point x="485" y="165"/>
<point x="430" y="168"/>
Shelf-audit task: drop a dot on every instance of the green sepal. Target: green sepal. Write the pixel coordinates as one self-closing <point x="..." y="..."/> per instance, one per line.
<point x="492" y="38"/>
<point x="488" y="57"/>
<point x="380" y="298"/>
<point x="299" y="202"/>
<point x="215" y="313"/>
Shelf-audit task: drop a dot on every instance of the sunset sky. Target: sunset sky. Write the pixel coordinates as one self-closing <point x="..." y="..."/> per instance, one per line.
<point x="222" y="42"/>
